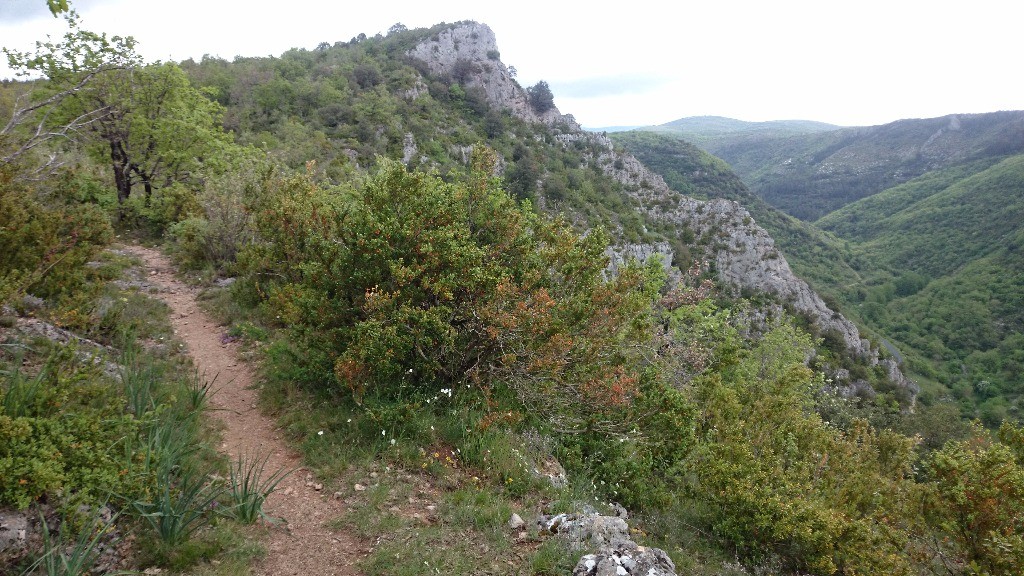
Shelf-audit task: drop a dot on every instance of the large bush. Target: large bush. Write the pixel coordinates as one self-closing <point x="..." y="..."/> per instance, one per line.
<point x="45" y="238"/>
<point x="411" y="285"/>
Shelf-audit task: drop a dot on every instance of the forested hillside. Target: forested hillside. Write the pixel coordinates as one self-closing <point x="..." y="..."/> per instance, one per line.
<point x="930" y="265"/>
<point x="810" y="175"/>
<point x="431" y="267"/>
<point x="947" y="247"/>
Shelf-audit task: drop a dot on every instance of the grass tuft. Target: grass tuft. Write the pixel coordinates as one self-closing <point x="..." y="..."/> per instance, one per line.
<point x="249" y="488"/>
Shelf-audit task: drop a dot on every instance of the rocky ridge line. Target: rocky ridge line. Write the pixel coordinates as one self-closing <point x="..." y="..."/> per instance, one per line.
<point x="744" y="254"/>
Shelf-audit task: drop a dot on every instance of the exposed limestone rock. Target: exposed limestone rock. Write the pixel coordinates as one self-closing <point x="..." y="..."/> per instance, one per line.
<point x="614" y="551"/>
<point x="515" y="522"/>
<point x="470" y="44"/>
<point x="619" y="255"/>
<point x="586" y="531"/>
<point x="419" y="88"/>
<point x="626" y="558"/>
<point x="13" y="530"/>
<point x="87" y="350"/>
<point x="408" y="148"/>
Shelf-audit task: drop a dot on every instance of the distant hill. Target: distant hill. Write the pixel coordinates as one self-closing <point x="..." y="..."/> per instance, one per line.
<point x="714" y="125"/>
<point x="811" y="174"/>
<point x="611" y="129"/>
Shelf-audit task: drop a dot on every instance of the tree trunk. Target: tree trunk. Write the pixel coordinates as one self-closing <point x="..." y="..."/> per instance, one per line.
<point x="122" y="175"/>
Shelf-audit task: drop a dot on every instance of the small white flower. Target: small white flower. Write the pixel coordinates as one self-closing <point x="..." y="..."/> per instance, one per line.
<point x="392" y="441"/>
<point x="320" y="433"/>
<point x="349" y="420"/>
<point x="383" y="433"/>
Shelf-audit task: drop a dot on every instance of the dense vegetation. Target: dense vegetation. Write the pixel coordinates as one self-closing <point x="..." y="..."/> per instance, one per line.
<point x="946" y="250"/>
<point x="439" y="317"/>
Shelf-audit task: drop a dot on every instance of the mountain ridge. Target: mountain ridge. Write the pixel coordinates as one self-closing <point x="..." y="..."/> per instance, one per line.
<point x="744" y="254"/>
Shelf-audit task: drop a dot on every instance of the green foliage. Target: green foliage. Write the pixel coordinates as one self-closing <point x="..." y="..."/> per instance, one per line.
<point x="179" y="506"/>
<point x="45" y="238"/>
<point x="540" y="97"/>
<point x="413" y="286"/>
<point x="768" y="475"/>
<point x="944" y="281"/>
<point x="221" y="226"/>
<point x="979" y="502"/>
<point x="56" y="431"/>
<point x="248" y="488"/>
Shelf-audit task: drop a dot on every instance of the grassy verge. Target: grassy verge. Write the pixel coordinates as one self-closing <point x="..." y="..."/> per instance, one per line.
<point x="104" y="434"/>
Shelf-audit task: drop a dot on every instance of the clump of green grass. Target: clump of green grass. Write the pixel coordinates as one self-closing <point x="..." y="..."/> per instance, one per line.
<point x="181" y="506"/>
<point x="249" y="486"/>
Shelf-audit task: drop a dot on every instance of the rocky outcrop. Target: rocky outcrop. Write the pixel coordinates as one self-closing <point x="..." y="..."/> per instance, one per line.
<point x="13" y="531"/>
<point x="620" y="255"/>
<point x="626" y="559"/>
<point x="613" y="551"/>
<point x="468" y="51"/>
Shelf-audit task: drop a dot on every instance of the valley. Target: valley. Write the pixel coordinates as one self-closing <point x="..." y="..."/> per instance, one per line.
<point x="924" y="259"/>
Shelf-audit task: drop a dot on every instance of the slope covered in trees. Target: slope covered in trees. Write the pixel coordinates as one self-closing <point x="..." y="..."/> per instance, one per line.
<point x="948" y="286"/>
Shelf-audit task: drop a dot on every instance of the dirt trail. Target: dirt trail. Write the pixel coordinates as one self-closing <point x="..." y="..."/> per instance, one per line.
<point x="307" y="547"/>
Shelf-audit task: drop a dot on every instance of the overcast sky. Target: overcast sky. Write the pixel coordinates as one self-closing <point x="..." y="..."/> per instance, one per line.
<point x="637" y="62"/>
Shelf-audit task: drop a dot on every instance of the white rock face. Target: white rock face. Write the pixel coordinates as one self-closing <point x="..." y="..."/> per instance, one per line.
<point x="475" y="43"/>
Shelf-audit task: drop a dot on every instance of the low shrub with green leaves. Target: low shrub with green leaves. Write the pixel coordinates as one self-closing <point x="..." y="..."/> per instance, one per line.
<point x="57" y="429"/>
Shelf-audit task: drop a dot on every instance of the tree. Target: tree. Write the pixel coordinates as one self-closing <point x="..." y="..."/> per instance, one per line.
<point x="148" y="122"/>
<point x="158" y="129"/>
<point x="71" y="66"/>
<point x="540" y="96"/>
<point x="978" y="504"/>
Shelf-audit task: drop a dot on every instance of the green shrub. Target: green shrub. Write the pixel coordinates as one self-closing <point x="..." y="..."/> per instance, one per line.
<point x="45" y="240"/>
<point x="411" y="286"/>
